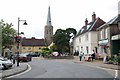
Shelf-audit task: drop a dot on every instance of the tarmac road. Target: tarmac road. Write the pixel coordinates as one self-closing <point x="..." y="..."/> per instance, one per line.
<point x="41" y="68"/>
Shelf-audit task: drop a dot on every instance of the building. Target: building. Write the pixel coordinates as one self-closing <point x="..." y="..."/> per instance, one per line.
<point x="86" y="40"/>
<point x="32" y="45"/>
<point x="109" y="37"/>
<point x="48" y="31"/>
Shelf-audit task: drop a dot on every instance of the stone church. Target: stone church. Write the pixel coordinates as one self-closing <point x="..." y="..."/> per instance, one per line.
<point x="48" y="30"/>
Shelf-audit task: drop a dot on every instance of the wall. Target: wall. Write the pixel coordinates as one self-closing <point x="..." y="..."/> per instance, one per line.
<point x="91" y="43"/>
<point x="33" y="49"/>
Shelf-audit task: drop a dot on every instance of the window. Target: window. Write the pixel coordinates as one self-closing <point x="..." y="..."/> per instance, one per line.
<point x="81" y="48"/>
<point x="106" y="33"/>
<point x="47" y="31"/>
<point x="29" y="48"/>
<point x="101" y="34"/>
<point x="87" y="49"/>
<point x="50" y="31"/>
<point x="86" y="37"/>
<point x="24" y="48"/>
<point x="80" y="39"/>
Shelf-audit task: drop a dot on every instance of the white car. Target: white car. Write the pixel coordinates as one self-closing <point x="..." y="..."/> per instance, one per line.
<point x="6" y="63"/>
<point x="55" y="53"/>
<point x="1" y="66"/>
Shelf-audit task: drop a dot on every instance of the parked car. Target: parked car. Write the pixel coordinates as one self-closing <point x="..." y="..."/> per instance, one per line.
<point x="34" y="54"/>
<point x="1" y="66"/>
<point x="6" y="63"/>
<point x="24" y="57"/>
<point x="55" y="54"/>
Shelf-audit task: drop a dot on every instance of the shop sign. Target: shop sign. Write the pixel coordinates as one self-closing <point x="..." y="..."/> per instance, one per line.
<point x="116" y="37"/>
<point x="103" y="42"/>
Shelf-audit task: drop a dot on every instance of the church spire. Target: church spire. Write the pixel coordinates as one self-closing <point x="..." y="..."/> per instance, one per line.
<point x="49" y="17"/>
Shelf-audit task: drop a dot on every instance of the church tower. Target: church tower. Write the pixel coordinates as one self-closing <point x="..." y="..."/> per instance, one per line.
<point x="48" y="31"/>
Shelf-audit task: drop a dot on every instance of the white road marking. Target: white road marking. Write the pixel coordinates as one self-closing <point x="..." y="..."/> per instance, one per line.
<point x="116" y="74"/>
<point x="115" y="71"/>
<point x="29" y="68"/>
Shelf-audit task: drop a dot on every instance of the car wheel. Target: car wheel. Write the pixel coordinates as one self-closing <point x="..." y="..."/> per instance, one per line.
<point x="4" y="67"/>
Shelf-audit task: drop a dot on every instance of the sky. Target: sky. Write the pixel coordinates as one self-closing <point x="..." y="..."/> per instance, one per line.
<point x="64" y="13"/>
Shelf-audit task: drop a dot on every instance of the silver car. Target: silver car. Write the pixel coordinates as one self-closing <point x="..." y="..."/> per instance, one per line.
<point x="1" y="66"/>
<point x="6" y="63"/>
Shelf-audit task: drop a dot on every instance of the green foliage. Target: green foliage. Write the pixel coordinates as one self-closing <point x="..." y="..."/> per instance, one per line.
<point x="45" y="51"/>
<point x="53" y="48"/>
<point x="114" y="59"/>
<point x="7" y="34"/>
<point x="62" y="38"/>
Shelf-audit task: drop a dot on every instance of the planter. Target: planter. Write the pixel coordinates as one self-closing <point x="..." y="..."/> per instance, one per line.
<point x="115" y="63"/>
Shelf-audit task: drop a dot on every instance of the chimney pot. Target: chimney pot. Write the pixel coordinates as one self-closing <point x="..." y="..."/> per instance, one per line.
<point x="93" y="16"/>
<point x="86" y="22"/>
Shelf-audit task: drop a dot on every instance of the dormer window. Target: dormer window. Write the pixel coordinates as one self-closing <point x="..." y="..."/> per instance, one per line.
<point x="82" y="30"/>
<point x="88" y="26"/>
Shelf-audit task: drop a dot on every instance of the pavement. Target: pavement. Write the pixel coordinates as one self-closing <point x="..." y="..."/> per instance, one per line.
<point x="96" y="63"/>
<point x="14" y="70"/>
<point x="24" y="66"/>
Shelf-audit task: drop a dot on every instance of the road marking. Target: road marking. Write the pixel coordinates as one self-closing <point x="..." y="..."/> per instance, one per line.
<point x="116" y="74"/>
<point x="29" y="68"/>
<point x="115" y="71"/>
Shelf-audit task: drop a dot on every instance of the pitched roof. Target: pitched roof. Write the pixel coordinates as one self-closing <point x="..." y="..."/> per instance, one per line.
<point x="114" y="20"/>
<point x="92" y="26"/>
<point x="33" y="42"/>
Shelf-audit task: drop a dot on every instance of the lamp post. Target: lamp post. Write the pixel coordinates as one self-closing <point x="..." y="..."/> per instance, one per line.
<point x="18" y="38"/>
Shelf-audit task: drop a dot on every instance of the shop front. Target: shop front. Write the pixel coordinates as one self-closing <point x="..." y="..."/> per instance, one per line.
<point x="103" y="48"/>
<point x="115" y="44"/>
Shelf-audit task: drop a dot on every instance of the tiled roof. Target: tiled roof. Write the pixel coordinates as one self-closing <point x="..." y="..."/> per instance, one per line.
<point x="33" y="42"/>
<point x="114" y="20"/>
<point x="92" y="26"/>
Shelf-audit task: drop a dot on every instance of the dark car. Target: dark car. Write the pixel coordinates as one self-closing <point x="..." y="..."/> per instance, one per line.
<point x="24" y="57"/>
<point x="34" y="54"/>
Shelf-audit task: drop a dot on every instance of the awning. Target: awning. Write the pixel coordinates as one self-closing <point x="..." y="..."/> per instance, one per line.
<point x="103" y="42"/>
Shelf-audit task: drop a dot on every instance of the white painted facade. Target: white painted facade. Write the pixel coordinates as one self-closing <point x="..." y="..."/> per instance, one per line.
<point x="82" y="42"/>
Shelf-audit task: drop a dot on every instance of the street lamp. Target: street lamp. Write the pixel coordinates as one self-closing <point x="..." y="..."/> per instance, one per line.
<point x="18" y="38"/>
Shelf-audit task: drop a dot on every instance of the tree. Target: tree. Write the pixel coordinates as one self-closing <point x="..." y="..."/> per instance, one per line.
<point x="7" y="34"/>
<point x="62" y="38"/>
<point x="45" y="51"/>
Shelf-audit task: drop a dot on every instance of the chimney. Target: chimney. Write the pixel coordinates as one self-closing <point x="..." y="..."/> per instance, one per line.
<point x="119" y="8"/>
<point x="93" y="16"/>
<point x="86" y="22"/>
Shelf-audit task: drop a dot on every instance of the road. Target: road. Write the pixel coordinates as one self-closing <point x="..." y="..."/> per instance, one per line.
<point x="41" y="68"/>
